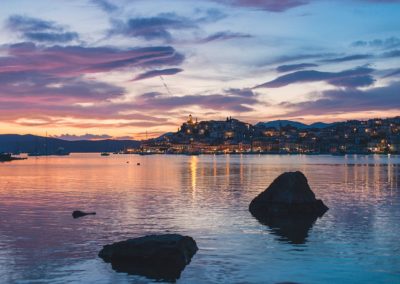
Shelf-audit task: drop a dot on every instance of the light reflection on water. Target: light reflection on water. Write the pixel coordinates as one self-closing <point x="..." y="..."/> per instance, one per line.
<point x="206" y="197"/>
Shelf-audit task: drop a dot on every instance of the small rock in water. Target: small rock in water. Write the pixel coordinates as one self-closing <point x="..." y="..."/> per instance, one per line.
<point x="161" y="257"/>
<point x="78" y="214"/>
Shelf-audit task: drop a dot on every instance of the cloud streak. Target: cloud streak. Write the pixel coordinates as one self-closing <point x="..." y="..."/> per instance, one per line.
<point x="294" y="67"/>
<point x="78" y="60"/>
<point x="348" y="58"/>
<point x="38" y="30"/>
<point x="282" y="5"/>
<point x="151" y="28"/>
<point x="266" y="5"/>
<point x="157" y="73"/>
<point x="105" y="5"/>
<point x="349" y="100"/>
<point x="358" y="77"/>
<point x="87" y="136"/>
<point x="235" y="100"/>
<point x="52" y="81"/>
<point x="226" y="35"/>
<point x="388" y="43"/>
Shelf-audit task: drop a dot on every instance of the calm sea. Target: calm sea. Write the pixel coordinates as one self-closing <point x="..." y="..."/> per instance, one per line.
<point x="206" y="197"/>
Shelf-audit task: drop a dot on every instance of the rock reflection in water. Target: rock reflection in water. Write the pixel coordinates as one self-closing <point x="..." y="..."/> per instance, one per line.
<point x="291" y="229"/>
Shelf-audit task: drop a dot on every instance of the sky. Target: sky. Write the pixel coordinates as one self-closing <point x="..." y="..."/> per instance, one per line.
<point x="130" y="69"/>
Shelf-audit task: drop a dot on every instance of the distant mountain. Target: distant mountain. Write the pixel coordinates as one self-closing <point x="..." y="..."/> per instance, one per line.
<point x="35" y="144"/>
<point x="321" y="125"/>
<point x="298" y="125"/>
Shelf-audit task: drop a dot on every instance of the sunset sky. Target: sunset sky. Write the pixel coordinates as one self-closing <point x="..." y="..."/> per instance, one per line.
<point x="101" y="69"/>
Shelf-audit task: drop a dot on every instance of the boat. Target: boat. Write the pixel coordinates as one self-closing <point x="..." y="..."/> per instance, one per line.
<point x="146" y="153"/>
<point x="105" y="154"/>
<point x="194" y="153"/>
<point x="36" y="154"/>
<point x="7" y="157"/>
<point x="61" y="152"/>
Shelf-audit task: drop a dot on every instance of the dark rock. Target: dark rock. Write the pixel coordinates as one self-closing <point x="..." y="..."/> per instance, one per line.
<point x="78" y="214"/>
<point x="160" y="257"/>
<point x="289" y="207"/>
<point x="288" y="194"/>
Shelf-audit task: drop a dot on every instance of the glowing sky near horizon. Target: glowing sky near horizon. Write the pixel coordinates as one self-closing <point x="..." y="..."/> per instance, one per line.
<point x="99" y="69"/>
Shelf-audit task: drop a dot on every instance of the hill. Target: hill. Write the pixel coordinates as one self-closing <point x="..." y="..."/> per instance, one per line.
<point x="33" y="144"/>
<point x="298" y="125"/>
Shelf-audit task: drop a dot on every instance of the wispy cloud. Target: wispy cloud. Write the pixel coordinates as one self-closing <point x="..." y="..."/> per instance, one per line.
<point x="37" y="80"/>
<point x="393" y="73"/>
<point x="87" y="136"/>
<point x="39" y="30"/>
<point x="294" y="67"/>
<point x="348" y="58"/>
<point x="53" y="90"/>
<point x="392" y="53"/>
<point x="105" y="5"/>
<point x="157" y="73"/>
<point x="349" y="100"/>
<point x="78" y="60"/>
<point x="267" y="5"/>
<point x="226" y="35"/>
<point x="232" y="100"/>
<point x="358" y="77"/>
<point x="150" y="28"/>
<point x="388" y="43"/>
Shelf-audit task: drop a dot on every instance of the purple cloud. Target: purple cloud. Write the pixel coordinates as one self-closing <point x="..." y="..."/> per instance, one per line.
<point x="233" y="100"/>
<point x="34" y="29"/>
<point x="58" y="89"/>
<point x="348" y="58"/>
<point x="393" y="73"/>
<point x="348" y="100"/>
<point x="87" y="136"/>
<point x="358" y="77"/>
<point x="294" y="67"/>
<point x="78" y="60"/>
<point x="392" y="53"/>
<point x="224" y="36"/>
<point x="106" y="6"/>
<point x="267" y="5"/>
<point x="156" y="73"/>
<point x="41" y="83"/>
<point x="281" y="5"/>
<point x="151" y="28"/>
<point x="388" y="43"/>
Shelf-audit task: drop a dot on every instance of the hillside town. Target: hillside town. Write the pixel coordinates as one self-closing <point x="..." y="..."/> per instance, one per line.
<point x="379" y="136"/>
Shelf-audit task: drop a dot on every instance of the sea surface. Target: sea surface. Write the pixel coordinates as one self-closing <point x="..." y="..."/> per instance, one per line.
<point x="206" y="197"/>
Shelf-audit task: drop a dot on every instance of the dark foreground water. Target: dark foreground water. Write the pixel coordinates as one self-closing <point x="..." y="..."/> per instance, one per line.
<point x="356" y="241"/>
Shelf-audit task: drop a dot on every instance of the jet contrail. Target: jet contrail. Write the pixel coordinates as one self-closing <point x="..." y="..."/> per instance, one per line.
<point x="165" y="85"/>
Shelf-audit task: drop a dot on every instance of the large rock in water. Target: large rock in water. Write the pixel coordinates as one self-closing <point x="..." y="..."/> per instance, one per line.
<point x="288" y="194"/>
<point x="155" y="256"/>
<point x="288" y="207"/>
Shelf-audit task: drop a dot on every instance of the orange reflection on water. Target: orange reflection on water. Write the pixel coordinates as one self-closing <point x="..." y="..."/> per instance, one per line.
<point x="193" y="173"/>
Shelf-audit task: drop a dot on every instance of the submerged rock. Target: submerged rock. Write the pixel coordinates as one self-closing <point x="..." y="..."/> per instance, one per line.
<point x="155" y="256"/>
<point x="289" y="207"/>
<point x="78" y="214"/>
